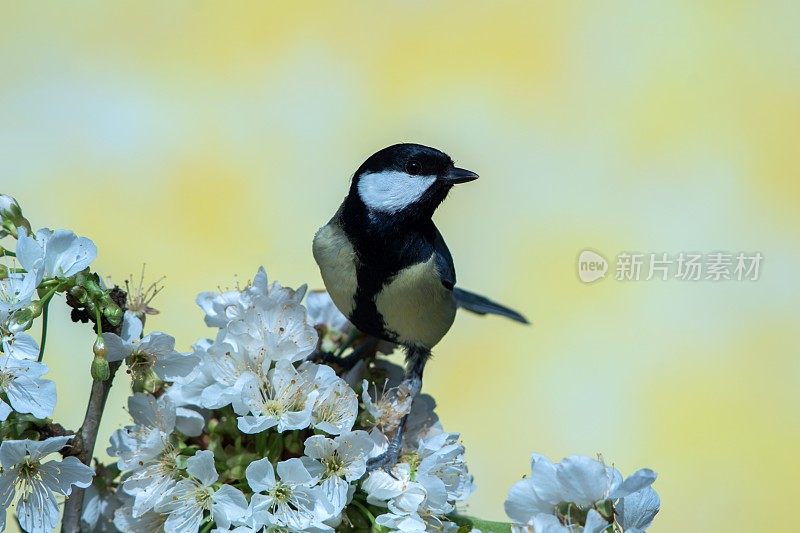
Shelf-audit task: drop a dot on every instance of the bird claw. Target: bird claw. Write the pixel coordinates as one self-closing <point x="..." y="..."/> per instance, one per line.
<point x="385" y="461"/>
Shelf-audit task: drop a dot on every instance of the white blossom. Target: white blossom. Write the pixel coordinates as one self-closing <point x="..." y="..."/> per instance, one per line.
<point x="261" y="325"/>
<point x="273" y="330"/>
<point x="148" y="484"/>
<point x="283" y="400"/>
<point x="154" y="421"/>
<point x="389" y="407"/>
<point x="22" y="384"/>
<point x="189" y="422"/>
<point x="336" y="407"/>
<point x="16" y="291"/>
<point x="36" y="482"/>
<point x="54" y="254"/>
<point x="224" y="371"/>
<point x="576" y="480"/>
<point x="222" y="308"/>
<point x="291" y="500"/>
<point x="442" y="456"/>
<point x="20" y="345"/>
<point x="186" y="502"/>
<point x="337" y="462"/>
<point x="423" y="488"/>
<point x="322" y="311"/>
<point x="145" y="448"/>
<point x="154" y="352"/>
<point x="403" y="497"/>
<point x="404" y="515"/>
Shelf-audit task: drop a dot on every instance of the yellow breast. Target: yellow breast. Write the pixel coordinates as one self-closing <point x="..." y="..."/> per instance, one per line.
<point x="416" y="306"/>
<point x="337" y="263"/>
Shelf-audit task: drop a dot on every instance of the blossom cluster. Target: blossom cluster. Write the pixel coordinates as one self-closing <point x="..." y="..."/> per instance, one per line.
<point x="248" y="432"/>
<point x="44" y="263"/>
<point x="582" y="494"/>
<point x="269" y="425"/>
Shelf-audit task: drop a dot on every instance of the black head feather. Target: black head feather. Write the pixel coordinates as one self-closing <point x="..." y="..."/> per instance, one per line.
<point x="401" y="160"/>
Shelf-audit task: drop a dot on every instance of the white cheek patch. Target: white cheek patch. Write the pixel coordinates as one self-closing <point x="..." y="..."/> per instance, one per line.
<point x="391" y="191"/>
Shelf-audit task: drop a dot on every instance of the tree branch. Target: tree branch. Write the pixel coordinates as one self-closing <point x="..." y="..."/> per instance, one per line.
<point x="87" y="438"/>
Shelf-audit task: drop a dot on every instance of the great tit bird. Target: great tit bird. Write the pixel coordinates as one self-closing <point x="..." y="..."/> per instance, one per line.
<point x="387" y="267"/>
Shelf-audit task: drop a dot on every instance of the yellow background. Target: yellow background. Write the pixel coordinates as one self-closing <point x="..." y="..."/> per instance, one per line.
<point x="207" y="138"/>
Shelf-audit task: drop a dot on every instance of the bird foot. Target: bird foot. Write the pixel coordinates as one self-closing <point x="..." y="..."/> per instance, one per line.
<point x="384" y="461"/>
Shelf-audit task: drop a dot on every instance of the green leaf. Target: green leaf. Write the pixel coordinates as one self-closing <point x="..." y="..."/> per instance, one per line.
<point x="485" y="526"/>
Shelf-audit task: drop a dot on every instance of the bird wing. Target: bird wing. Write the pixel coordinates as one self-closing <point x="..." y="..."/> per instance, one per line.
<point x="444" y="262"/>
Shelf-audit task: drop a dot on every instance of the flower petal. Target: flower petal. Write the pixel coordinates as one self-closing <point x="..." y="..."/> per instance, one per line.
<point x="174" y="365"/>
<point x="637" y="481"/>
<point x="5" y="410"/>
<point x="116" y="348"/>
<point x="201" y="466"/>
<point x="319" y="446"/>
<point x="34" y="396"/>
<point x="37" y="510"/>
<point x="292" y="471"/>
<point x="60" y="476"/>
<point x="637" y="510"/>
<point x="260" y="475"/>
<point x="229" y="505"/>
<point x="189" y="422"/>
<point x="22" y="346"/>
<point x="583" y="480"/>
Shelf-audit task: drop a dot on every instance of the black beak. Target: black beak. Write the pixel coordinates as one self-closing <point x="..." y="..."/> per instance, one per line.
<point x="459" y="175"/>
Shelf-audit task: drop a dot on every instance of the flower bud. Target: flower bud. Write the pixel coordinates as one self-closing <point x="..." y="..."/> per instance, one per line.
<point x="99" y="347"/>
<point x="3" y="272"/>
<point x="11" y="215"/>
<point x="21" y="320"/>
<point x="79" y="293"/>
<point x="91" y="286"/>
<point x="113" y="313"/>
<point x="100" y="370"/>
<point x="9" y="206"/>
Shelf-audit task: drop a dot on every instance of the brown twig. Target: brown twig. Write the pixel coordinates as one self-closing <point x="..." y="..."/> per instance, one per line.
<point x="86" y="437"/>
<point x="84" y="443"/>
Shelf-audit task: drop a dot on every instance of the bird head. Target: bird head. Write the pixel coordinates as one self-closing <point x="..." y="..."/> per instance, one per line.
<point x="406" y="182"/>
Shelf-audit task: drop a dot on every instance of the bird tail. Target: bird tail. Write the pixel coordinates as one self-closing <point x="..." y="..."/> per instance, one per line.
<point x="484" y="306"/>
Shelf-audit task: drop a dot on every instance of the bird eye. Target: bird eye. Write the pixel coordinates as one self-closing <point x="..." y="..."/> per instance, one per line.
<point x="413" y="167"/>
